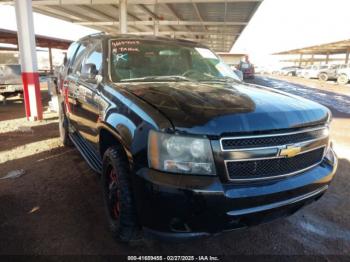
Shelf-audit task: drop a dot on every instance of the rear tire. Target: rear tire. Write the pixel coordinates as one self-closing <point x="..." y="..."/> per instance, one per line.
<point x="117" y="193"/>
<point x="63" y="126"/>
<point x="343" y="79"/>
<point x="323" y="77"/>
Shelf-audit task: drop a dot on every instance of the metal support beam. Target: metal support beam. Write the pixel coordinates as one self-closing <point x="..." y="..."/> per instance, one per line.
<point x="154" y="16"/>
<point x="123" y="16"/>
<point x="156" y="27"/>
<point x="208" y="34"/>
<point x="146" y="2"/>
<point x="156" y="21"/>
<point x="27" y="47"/>
<point x="50" y="60"/>
<point x="165" y="22"/>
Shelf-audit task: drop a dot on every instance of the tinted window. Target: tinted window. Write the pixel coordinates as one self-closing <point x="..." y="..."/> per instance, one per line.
<point x="71" y="52"/>
<point x="95" y="57"/>
<point x="78" y="58"/>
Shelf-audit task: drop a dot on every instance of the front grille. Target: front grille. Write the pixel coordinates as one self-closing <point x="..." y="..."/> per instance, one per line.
<point x="273" y="167"/>
<point x="271" y="140"/>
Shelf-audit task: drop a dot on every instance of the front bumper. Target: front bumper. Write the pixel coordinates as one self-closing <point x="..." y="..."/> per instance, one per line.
<point x="181" y="206"/>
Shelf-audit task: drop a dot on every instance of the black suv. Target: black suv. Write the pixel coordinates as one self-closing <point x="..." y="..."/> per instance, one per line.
<point x="184" y="149"/>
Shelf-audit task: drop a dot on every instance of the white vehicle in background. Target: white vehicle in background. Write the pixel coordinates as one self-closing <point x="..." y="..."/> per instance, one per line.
<point x="260" y="70"/>
<point x="343" y="75"/>
<point x="289" y="70"/>
<point x="10" y="80"/>
<point x="313" y="71"/>
<point x="299" y="72"/>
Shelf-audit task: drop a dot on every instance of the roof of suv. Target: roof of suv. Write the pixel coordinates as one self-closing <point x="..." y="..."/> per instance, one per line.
<point x="141" y="37"/>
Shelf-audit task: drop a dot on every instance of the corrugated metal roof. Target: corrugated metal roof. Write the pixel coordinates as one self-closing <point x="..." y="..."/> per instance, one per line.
<point x="216" y="23"/>
<point x="340" y="47"/>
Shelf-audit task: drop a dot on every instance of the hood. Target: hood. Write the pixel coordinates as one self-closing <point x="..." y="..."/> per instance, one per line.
<point x="222" y="109"/>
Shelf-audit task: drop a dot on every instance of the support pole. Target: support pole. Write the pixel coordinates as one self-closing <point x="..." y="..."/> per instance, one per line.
<point x="50" y="60"/>
<point x="327" y="58"/>
<point x="30" y="76"/>
<point x="347" y="56"/>
<point x="300" y="59"/>
<point x="123" y="17"/>
<point x="156" y="27"/>
<point x="312" y="59"/>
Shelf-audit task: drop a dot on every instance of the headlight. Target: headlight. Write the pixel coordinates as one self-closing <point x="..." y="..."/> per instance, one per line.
<point x="180" y="154"/>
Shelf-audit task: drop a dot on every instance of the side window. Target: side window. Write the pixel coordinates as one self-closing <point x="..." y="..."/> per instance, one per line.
<point x="71" y="52"/>
<point x="76" y="64"/>
<point x="94" y="57"/>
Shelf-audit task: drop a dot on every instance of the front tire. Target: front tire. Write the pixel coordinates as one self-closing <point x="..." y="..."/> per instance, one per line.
<point x="119" y="203"/>
<point x="323" y="77"/>
<point x="343" y="79"/>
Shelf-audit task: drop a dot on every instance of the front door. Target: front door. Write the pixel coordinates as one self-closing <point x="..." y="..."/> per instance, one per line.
<point x="87" y="94"/>
<point x="70" y="84"/>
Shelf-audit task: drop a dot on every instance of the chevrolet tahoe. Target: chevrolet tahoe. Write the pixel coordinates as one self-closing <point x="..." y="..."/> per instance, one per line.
<point x="184" y="149"/>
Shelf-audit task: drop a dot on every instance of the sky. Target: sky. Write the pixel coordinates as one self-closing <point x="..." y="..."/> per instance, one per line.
<point x="278" y="25"/>
<point x="281" y="25"/>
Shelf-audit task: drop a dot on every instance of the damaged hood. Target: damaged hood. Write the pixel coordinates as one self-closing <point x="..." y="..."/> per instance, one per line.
<point x="217" y="109"/>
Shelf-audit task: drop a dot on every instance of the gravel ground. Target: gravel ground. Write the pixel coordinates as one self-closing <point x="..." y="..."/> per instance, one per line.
<point x="55" y="207"/>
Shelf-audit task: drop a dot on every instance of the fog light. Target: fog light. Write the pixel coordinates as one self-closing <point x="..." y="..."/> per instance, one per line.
<point x="187" y="167"/>
<point x="330" y="156"/>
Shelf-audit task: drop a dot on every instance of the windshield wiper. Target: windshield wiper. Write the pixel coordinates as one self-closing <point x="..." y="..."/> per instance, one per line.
<point x="163" y="78"/>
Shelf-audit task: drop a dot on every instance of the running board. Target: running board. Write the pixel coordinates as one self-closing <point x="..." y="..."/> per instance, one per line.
<point x="87" y="152"/>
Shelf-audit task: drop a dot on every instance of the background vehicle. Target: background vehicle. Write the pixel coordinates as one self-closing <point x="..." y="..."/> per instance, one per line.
<point x="330" y="72"/>
<point x="289" y="71"/>
<point x="299" y="72"/>
<point x="10" y="80"/>
<point x="247" y="69"/>
<point x="184" y="149"/>
<point x="313" y="71"/>
<point x="343" y="75"/>
<point x="260" y="70"/>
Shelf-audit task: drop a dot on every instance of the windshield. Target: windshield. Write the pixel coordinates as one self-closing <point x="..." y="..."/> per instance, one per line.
<point x="144" y="60"/>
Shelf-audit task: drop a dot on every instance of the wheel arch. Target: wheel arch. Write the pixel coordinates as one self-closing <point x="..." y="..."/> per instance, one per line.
<point x="109" y="137"/>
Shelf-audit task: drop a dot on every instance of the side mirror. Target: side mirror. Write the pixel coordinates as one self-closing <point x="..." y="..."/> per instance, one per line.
<point x="89" y="72"/>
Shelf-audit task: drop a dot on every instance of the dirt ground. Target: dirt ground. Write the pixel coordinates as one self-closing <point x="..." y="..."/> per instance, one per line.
<point x="55" y="207"/>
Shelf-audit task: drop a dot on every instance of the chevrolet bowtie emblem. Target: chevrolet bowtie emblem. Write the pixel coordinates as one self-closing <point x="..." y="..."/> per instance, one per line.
<point x="290" y="151"/>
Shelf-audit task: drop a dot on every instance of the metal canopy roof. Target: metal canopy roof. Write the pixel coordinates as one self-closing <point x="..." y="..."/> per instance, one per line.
<point x="10" y="37"/>
<point x="341" y="47"/>
<point x="216" y="23"/>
